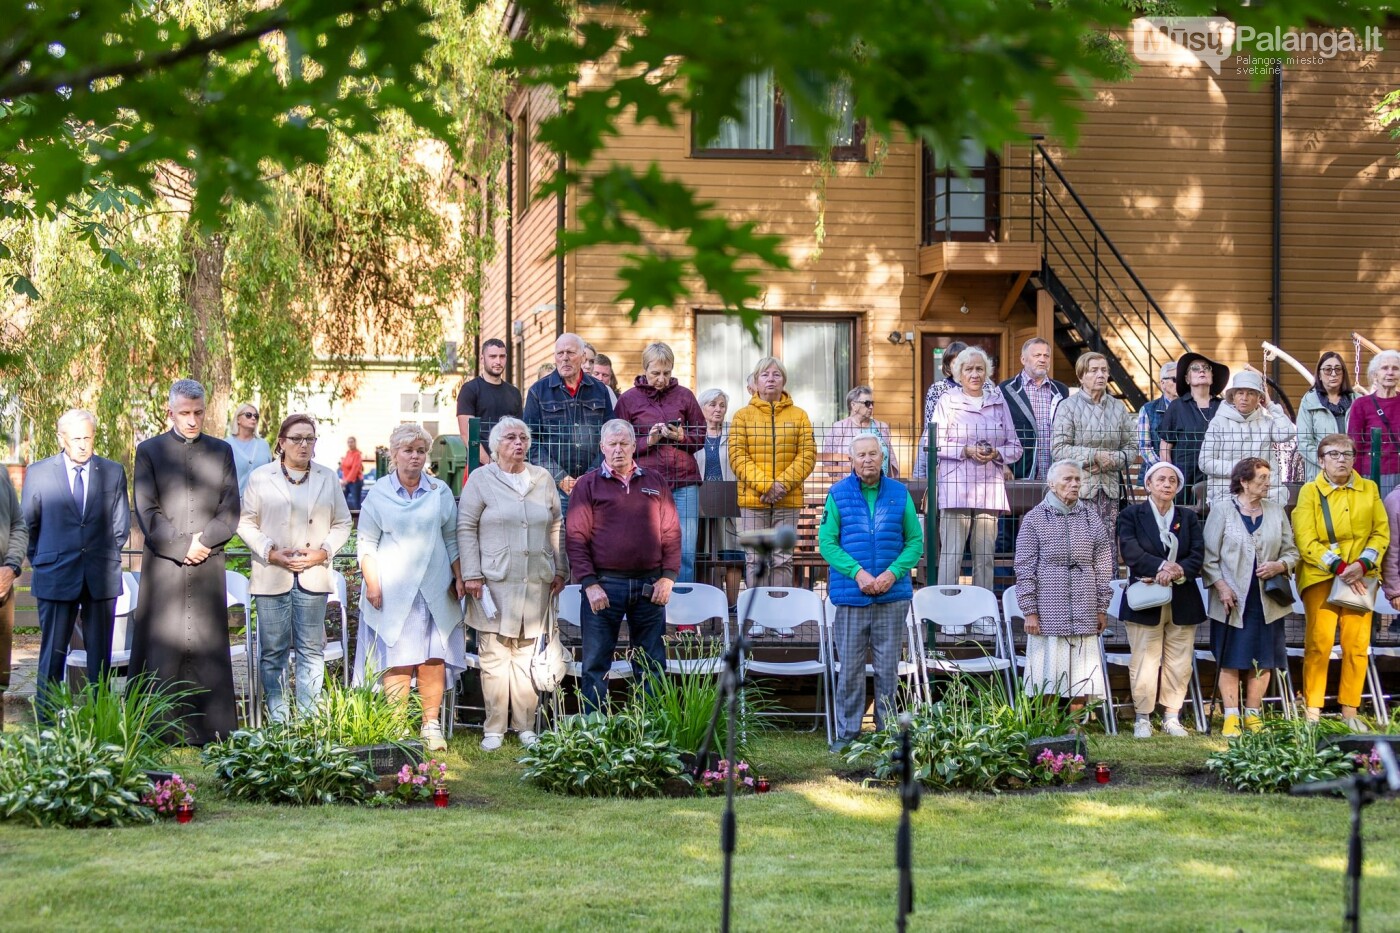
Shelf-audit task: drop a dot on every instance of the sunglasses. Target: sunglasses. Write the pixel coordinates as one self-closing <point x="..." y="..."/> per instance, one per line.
<point x="249" y="414"/>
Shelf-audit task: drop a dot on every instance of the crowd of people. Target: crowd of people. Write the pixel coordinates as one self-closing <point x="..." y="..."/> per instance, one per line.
<point x="580" y="483"/>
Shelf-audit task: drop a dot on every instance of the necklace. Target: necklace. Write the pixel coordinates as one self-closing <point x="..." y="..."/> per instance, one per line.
<point x="1249" y="510"/>
<point x="294" y="482"/>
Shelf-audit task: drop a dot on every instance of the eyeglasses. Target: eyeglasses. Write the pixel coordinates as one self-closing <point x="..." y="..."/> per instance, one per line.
<point x="1198" y="368"/>
<point x="1331" y="369"/>
<point x="302" y="439"/>
<point x="1340" y="455"/>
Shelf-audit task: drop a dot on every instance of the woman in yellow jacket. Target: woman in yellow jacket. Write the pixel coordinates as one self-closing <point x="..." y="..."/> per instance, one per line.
<point x="772" y="450"/>
<point x="1362" y="534"/>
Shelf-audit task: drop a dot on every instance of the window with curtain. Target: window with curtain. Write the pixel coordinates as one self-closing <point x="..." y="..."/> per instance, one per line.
<point x="770" y="127"/>
<point x="817" y="353"/>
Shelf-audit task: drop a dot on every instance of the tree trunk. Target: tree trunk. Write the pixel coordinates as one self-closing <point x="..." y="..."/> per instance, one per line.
<point x="211" y="355"/>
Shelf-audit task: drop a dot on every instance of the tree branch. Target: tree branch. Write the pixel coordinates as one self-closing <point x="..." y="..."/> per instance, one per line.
<point x="218" y="42"/>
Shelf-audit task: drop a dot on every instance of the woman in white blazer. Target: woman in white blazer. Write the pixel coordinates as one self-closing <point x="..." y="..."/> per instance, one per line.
<point x="294" y="520"/>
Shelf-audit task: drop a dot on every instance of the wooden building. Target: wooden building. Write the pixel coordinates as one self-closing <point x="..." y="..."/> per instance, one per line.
<point x="1188" y="195"/>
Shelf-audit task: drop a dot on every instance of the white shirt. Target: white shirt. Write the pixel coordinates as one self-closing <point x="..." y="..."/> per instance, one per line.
<point x="71" y="469"/>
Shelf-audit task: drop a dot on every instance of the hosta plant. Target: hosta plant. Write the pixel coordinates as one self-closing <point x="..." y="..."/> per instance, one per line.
<point x="598" y="755"/>
<point x="65" y="777"/>
<point x="1281" y="754"/>
<point x="276" y="765"/>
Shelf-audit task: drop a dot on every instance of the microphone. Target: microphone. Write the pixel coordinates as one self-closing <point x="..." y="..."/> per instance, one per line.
<point x="782" y="538"/>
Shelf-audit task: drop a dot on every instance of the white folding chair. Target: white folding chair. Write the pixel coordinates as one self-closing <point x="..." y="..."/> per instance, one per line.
<point x="783" y="610"/>
<point x="1114" y="658"/>
<point x="1281" y="684"/>
<point x="1012" y="609"/>
<point x="121" y="632"/>
<point x="907" y="669"/>
<point x="696" y="604"/>
<point x="571" y="614"/>
<point x="957" y="607"/>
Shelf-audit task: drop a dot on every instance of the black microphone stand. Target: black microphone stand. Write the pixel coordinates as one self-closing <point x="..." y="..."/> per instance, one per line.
<point x="1360" y="789"/>
<point x="903" y="840"/>
<point x="730" y="681"/>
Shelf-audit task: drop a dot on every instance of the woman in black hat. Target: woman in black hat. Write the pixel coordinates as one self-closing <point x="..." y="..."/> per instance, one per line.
<point x="1199" y="382"/>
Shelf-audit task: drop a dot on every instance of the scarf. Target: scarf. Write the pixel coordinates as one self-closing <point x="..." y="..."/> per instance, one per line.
<point x="1055" y="503"/>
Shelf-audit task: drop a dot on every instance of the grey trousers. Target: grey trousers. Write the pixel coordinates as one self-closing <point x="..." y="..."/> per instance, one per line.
<point x="880" y="629"/>
<point x="953" y="528"/>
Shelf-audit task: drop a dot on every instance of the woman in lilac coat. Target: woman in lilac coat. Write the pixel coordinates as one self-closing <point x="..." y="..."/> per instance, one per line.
<point x="976" y="441"/>
<point x="670" y="429"/>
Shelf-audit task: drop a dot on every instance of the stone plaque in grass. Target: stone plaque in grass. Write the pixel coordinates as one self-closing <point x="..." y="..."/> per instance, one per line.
<point x="1059" y="744"/>
<point x="389" y="757"/>
<point x="1352" y="744"/>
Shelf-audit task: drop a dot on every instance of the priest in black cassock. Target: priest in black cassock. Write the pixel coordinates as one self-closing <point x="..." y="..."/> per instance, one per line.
<point x="186" y="494"/>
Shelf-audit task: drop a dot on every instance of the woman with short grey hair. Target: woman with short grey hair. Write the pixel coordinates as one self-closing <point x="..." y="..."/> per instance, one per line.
<point x="1379" y="410"/>
<point x="410" y="610"/>
<point x="859" y="420"/>
<point x="1064" y="565"/>
<point x="670" y="429"/>
<point x="508" y="523"/>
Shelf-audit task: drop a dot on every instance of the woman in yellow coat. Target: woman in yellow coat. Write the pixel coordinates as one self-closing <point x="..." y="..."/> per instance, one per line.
<point x="772" y="451"/>
<point x="1362" y="534"/>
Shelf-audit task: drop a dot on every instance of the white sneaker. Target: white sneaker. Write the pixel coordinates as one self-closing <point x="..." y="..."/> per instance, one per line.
<point x="528" y="738"/>
<point x="1142" y="728"/>
<point x="1174" y="727"/>
<point x="491" y="741"/>
<point x="432" y="737"/>
<point x="757" y="631"/>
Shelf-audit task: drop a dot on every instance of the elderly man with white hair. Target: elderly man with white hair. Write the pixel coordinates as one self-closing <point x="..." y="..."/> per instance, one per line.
<point x="1380" y="409"/>
<point x="187" y="505"/>
<point x="871" y="536"/>
<point x="76" y="508"/>
<point x="624" y="546"/>
<point x="564" y="411"/>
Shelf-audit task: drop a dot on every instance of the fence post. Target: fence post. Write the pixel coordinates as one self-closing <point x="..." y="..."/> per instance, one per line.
<point x="473" y="445"/>
<point x="1376" y="456"/>
<point x="931" y="507"/>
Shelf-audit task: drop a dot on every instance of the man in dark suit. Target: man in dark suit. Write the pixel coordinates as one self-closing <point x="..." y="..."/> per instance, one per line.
<point x="75" y="504"/>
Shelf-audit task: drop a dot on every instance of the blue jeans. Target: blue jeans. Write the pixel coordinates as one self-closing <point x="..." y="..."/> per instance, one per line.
<point x="646" y="623"/>
<point x="354" y="494"/>
<point x="295" y="619"/>
<point x="688" y="510"/>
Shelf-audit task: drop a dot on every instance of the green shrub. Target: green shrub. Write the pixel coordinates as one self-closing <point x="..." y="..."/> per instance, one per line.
<point x="680" y="706"/>
<point x="1281" y="754"/>
<point x="65" y="777"/>
<point x="276" y="765"/>
<point x="597" y="755"/>
<point x="363" y="715"/>
<point x="141" y="720"/>
<point x="973" y="738"/>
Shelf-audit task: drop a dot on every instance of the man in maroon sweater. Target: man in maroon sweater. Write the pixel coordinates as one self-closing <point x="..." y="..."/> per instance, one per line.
<point x="624" y="544"/>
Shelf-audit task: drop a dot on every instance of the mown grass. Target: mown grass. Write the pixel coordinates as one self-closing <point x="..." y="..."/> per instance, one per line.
<point x="1157" y="849"/>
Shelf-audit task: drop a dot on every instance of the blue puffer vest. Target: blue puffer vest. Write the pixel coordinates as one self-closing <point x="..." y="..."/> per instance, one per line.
<point x="874" y="541"/>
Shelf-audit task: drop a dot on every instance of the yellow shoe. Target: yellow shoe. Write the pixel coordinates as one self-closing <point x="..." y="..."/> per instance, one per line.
<point x="1253" y="723"/>
<point x="1231" y="727"/>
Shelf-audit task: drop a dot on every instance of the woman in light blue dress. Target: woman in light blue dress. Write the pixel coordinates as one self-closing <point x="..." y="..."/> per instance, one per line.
<point x="249" y="450"/>
<point x="410" y="604"/>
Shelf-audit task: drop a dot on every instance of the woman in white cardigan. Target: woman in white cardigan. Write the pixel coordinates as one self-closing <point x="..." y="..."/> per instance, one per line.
<point x="1247" y="425"/>
<point x="410" y="605"/>
<point x="508" y="525"/>
<point x="294" y="520"/>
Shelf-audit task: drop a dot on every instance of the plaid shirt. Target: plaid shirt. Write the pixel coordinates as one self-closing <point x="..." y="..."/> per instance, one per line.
<point x="1043" y="399"/>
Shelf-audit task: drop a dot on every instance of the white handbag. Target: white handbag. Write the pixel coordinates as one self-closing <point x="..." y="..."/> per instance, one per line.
<point x="1145" y="594"/>
<point x="549" y="665"/>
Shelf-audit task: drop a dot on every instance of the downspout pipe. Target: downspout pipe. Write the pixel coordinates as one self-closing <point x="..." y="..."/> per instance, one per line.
<point x="510" y="248"/>
<point x="561" y="213"/>
<point x="1276" y="234"/>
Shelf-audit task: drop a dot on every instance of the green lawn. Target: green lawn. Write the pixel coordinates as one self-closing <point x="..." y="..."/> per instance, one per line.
<point x="1153" y="850"/>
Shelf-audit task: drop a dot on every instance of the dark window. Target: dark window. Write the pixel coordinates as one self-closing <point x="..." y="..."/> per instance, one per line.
<point x="522" y="163"/>
<point x="957" y="208"/>
<point x="770" y="128"/>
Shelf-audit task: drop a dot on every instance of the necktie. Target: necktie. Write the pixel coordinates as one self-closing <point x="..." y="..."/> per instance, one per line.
<point x="78" y="487"/>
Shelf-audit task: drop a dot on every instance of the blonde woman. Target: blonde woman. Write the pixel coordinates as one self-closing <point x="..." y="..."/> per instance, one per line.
<point x="410" y="609"/>
<point x="507" y="535"/>
<point x="249" y="450"/>
<point x="294" y="520"/>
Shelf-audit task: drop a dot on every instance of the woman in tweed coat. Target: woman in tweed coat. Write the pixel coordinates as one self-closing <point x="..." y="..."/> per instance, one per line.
<point x="1064" y="565"/>
<point x="1096" y="431"/>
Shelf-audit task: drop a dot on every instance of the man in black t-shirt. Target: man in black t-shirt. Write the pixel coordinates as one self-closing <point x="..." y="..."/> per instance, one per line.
<point x="488" y="396"/>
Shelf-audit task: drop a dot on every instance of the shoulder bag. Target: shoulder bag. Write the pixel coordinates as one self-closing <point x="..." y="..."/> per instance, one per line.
<point x="1342" y="595"/>
<point x="1145" y="594"/>
<point x="549" y="665"/>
